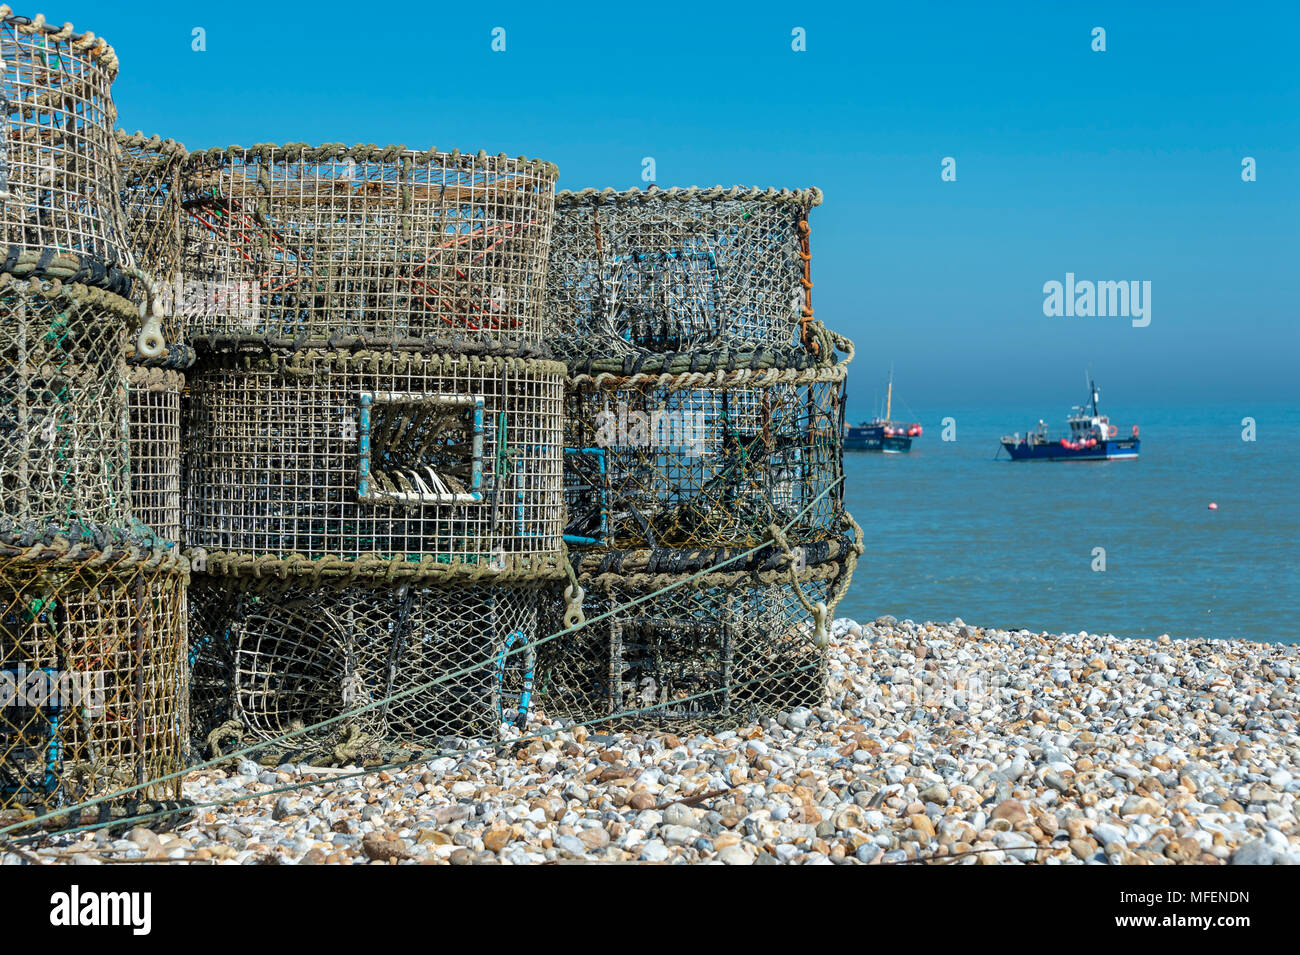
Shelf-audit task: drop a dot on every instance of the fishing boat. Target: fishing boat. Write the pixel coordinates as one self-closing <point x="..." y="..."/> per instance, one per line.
<point x="883" y="434"/>
<point x="1092" y="437"/>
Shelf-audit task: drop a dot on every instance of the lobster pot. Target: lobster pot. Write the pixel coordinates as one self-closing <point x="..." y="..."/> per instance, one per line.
<point x="92" y="678"/>
<point x="457" y="662"/>
<point x="300" y="245"/>
<point x="376" y="462"/>
<point x="59" y="207"/>
<point x="154" y="429"/>
<point x="714" y="652"/>
<point x="151" y="203"/>
<point x="677" y="269"/>
<point x="671" y="464"/>
<point x="63" y="451"/>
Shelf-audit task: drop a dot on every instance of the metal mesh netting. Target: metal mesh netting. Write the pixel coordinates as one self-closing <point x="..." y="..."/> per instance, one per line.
<point x="703" y="654"/>
<point x="671" y="270"/>
<point x="280" y="659"/>
<point x="154" y="422"/>
<point x="92" y="677"/>
<point x="304" y="245"/>
<point x="374" y="457"/>
<point x="58" y="179"/>
<point x="679" y="466"/>
<point x="63" y="452"/>
<point x="151" y="204"/>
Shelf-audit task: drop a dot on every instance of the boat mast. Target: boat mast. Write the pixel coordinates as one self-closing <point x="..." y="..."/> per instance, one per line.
<point x="889" y="395"/>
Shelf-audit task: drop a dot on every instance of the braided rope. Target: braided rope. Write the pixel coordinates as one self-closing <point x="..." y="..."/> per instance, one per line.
<point x="52" y="287"/>
<point x="800" y="197"/>
<point x="62" y="554"/>
<point x="274" y="569"/>
<point x="315" y="362"/>
<point x="92" y="47"/>
<point x="364" y="153"/>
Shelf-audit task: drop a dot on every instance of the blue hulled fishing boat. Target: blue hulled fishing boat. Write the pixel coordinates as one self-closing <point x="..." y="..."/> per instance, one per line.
<point x="883" y="434"/>
<point x="1092" y="438"/>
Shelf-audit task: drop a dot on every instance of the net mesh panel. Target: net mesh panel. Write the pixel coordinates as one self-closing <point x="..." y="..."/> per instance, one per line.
<point x="151" y="203"/>
<point x="748" y="649"/>
<point x="685" y="467"/>
<point x="274" y="453"/>
<point x="57" y="171"/>
<point x="672" y="270"/>
<point x="92" y="675"/>
<point x="295" y="245"/>
<point x="285" y="658"/>
<point x="63" y="452"/>
<point x="154" y="413"/>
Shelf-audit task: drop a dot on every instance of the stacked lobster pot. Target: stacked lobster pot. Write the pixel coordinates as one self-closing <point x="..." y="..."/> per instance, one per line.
<point x="703" y="457"/>
<point x="372" y="468"/>
<point x="150" y="169"/>
<point x="92" y="600"/>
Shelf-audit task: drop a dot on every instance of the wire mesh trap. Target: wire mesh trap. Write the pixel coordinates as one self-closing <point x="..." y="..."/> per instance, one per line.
<point x="367" y="459"/>
<point x="676" y="269"/>
<point x="715" y="652"/>
<point x="63" y="453"/>
<point x="92" y="676"/>
<point x="151" y="204"/>
<point x="60" y="214"/>
<point x="298" y="245"/>
<point x="154" y="429"/>
<point x="676" y="465"/>
<point x="271" y="661"/>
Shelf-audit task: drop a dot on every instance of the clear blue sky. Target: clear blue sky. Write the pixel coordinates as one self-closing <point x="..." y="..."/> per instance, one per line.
<point x="1117" y="165"/>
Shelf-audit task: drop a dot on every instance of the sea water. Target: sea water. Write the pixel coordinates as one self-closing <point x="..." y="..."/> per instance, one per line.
<point x="1123" y="547"/>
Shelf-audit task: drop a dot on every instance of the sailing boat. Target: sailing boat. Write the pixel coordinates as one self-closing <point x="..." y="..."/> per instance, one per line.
<point x="883" y="434"/>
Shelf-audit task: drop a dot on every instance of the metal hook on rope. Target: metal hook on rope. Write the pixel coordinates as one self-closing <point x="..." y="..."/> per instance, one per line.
<point x="573" y="597"/>
<point x="821" y="636"/>
<point x="151" y="343"/>
<point x="573" y="615"/>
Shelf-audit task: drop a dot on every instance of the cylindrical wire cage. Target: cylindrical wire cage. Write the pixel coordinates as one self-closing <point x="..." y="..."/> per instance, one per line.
<point x="297" y="245"/>
<point x="384" y="464"/>
<point x="60" y="212"/>
<point x="151" y="203"/>
<point x="437" y="661"/>
<point x="93" y="695"/>
<point x="711" y="652"/>
<point x="154" y="431"/>
<point x="64" y="461"/>
<point x="671" y="270"/>
<point x="689" y="461"/>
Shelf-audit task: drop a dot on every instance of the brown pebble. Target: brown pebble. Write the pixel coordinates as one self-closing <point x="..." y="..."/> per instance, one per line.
<point x="1012" y="810"/>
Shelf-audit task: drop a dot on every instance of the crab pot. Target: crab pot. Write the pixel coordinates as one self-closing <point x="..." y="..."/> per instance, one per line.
<point x="151" y="204"/>
<point x="714" y="652"/>
<point x="372" y="460"/>
<point x="154" y="429"/>
<point x="92" y="675"/>
<point x="297" y="245"/>
<point x="60" y="213"/>
<point x="63" y="453"/>
<point x="677" y="269"/>
<point x="673" y="464"/>
<point x="458" y="660"/>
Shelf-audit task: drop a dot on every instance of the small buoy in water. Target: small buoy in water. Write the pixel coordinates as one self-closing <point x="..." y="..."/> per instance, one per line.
<point x="1213" y="506"/>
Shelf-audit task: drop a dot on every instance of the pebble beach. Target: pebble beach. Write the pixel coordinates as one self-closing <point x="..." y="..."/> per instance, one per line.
<point x="941" y="743"/>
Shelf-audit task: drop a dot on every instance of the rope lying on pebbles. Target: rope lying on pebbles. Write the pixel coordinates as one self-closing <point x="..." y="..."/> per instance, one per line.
<point x="942" y="742"/>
